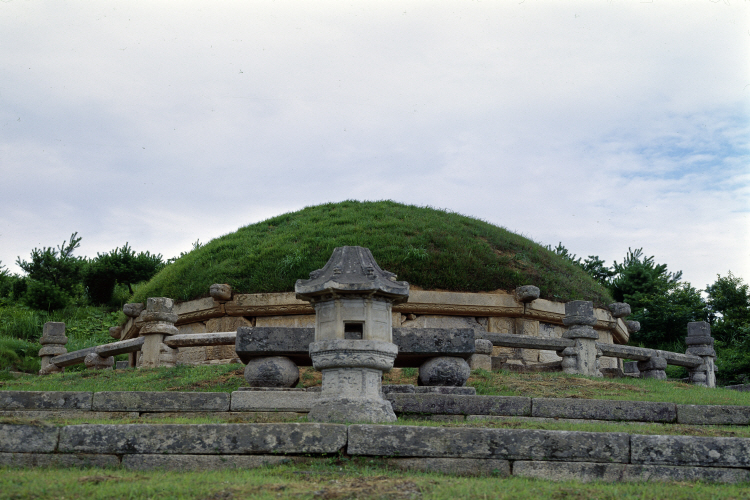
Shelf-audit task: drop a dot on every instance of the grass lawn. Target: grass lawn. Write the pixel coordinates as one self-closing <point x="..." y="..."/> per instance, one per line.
<point x="334" y="478"/>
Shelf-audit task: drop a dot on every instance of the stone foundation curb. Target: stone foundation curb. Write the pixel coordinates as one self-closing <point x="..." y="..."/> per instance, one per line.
<point x="57" y="460"/>
<point x="453" y="466"/>
<point x="713" y="415"/>
<point x="28" y="438"/>
<point x="45" y="400"/>
<point x="160" y="401"/>
<point x="603" y="409"/>
<point x="585" y="472"/>
<point x="520" y="444"/>
<point x="200" y="462"/>
<point x="200" y="439"/>
<point x="690" y="450"/>
<point x="273" y="400"/>
<point x="451" y="404"/>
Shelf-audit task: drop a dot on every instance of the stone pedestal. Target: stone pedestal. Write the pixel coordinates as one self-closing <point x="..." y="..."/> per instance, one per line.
<point x="95" y="362"/>
<point x="352" y="373"/>
<point x="482" y="358"/>
<point x="158" y="321"/>
<point x="583" y="358"/>
<point x="272" y="371"/>
<point x="653" y="368"/>
<point x="445" y="371"/>
<point x="700" y="343"/>
<point x="53" y="341"/>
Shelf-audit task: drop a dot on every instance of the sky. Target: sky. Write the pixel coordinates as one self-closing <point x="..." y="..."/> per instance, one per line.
<point x="604" y="125"/>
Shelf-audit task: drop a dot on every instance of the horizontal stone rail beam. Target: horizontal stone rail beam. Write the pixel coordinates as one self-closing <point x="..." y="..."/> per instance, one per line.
<point x="527" y="341"/>
<point x="679" y="359"/>
<point x="121" y="347"/>
<point x="643" y="354"/>
<point x="201" y="339"/>
<point x="72" y="358"/>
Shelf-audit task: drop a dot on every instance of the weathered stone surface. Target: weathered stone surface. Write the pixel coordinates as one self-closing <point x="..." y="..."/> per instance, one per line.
<point x="273" y="400"/>
<point x="707" y="341"/>
<point x="68" y="414"/>
<point x="586" y="471"/>
<point x="679" y="359"/>
<point x="626" y="351"/>
<point x="653" y="367"/>
<point x="444" y="370"/>
<point x="199" y="462"/>
<point x="52" y="350"/>
<point x="459" y="391"/>
<point x="483" y="346"/>
<point x="293" y="343"/>
<point x="95" y="362"/>
<point x="698" y="329"/>
<point x="527" y="293"/>
<point x="220" y="291"/>
<point x="417" y="344"/>
<point x="58" y="460"/>
<point x="233" y="416"/>
<point x="72" y="358"/>
<point x="267" y="304"/>
<point x="203" y="439"/>
<point x="480" y="362"/>
<point x="226" y="324"/>
<point x="160" y="401"/>
<point x="201" y="339"/>
<point x="451" y="404"/>
<point x="115" y="332"/>
<point x="691" y="450"/>
<point x="603" y="409"/>
<point x="348" y="410"/>
<point x="579" y="312"/>
<point x="122" y="365"/>
<point x="133" y="309"/>
<point x="121" y="347"/>
<point x="619" y="309"/>
<point x="496" y="324"/>
<point x="460" y="304"/>
<point x="526" y="342"/>
<point x="738" y="387"/>
<point x="53" y="333"/>
<point x="526" y="326"/>
<point x="291" y="321"/>
<point x="45" y="400"/>
<point x="516" y="444"/>
<point x="398" y="389"/>
<point x="158" y="327"/>
<point x="453" y="466"/>
<point x="345" y="353"/>
<point x="633" y="326"/>
<point x="28" y="438"/>
<point x="431" y="321"/>
<point x="273" y="371"/>
<point x="713" y="415"/>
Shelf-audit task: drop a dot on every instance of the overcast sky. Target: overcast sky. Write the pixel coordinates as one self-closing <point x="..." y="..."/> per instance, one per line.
<point x="600" y="124"/>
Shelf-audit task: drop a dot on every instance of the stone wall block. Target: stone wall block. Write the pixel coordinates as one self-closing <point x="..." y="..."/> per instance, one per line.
<point x="451" y="404"/>
<point x="516" y="444"/>
<point x="498" y="324"/>
<point x="691" y="450"/>
<point x="273" y="400"/>
<point x="45" y="400"/>
<point x="713" y="415"/>
<point x="593" y="409"/>
<point x="28" y="438"/>
<point x="203" y="439"/>
<point x="200" y="462"/>
<point x="160" y="401"/>
<point x="28" y="460"/>
<point x="453" y="466"/>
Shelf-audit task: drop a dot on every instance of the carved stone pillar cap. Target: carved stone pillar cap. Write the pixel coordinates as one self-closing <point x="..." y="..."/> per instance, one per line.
<point x="345" y="353"/>
<point x="352" y="270"/>
<point x="53" y="333"/>
<point x="133" y="309"/>
<point x="633" y="326"/>
<point x="159" y="304"/>
<point x="579" y="312"/>
<point x="527" y="293"/>
<point x="698" y="329"/>
<point x="221" y="291"/>
<point x="115" y="332"/>
<point x="620" y="309"/>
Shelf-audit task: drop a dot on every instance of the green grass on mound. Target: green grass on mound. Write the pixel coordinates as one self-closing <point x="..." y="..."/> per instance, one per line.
<point x="430" y="248"/>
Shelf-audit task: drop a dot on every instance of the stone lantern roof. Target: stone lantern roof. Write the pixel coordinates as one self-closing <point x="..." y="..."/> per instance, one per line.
<point x="352" y="270"/>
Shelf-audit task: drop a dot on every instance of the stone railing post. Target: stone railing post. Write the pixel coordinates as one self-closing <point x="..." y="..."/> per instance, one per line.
<point x="158" y="321"/>
<point x="653" y="368"/>
<point x="700" y="343"/>
<point x="583" y="358"/>
<point x="53" y="339"/>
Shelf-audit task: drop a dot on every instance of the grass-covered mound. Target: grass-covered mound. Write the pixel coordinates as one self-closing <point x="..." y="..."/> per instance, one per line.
<point x="429" y="248"/>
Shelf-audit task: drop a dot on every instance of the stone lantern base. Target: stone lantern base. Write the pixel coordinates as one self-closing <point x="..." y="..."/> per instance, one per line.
<point x="352" y="373"/>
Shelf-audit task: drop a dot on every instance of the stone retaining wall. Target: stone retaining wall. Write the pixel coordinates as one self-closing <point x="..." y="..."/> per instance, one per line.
<point x="146" y="404"/>
<point x="521" y="452"/>
<point x="498" y="312"/>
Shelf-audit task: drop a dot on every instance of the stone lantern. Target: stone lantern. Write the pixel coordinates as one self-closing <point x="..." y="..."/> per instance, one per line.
<point x="353" y="344"/>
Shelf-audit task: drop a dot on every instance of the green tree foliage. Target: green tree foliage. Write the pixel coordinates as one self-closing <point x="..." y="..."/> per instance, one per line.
<point x="592" y="264"/>
<point x="53" y="275"/>
<point x="729" y="315"/>
<point x="121" y="265"/>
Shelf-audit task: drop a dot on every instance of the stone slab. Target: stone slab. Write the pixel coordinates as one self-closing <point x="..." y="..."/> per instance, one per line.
<point x="441" y="389"/>
<point x="500" y="418"/>
<point x="691" y="450"/>
<point x="585" y="472"/>
<point x="453" y="466"/>
<point x="267" y="304"/>
<point x="72" y="358"/>
<point x="738" y="387"/>
<point x="527" y="341"/>
<point x="507" y="444"/>
<point x="294" y="343"/>
<point x="68" y="414"/>
<point x="452" y="404"/>
<point x="460" y="304"/>
<point x="234" y="416"/>
<point x="201" y="339"/>
<point x="273" y="400"/>
<point x="713" y="415"/>
<point x="28" y="438"/>
<point x="203" y="439"/>
<point x="45" y="400"/>
<point x="417" y="344"/>
<point x="27" y="460"/>
<point x="160" y="401"/>
<point x="679" y="359"/>
<point x="199" y="462"/>
<point x="626" y="351"/>
<point x="643" y="411"/>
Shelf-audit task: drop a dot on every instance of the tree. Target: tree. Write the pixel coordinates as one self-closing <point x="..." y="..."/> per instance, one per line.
<point x="729" y="315"/>
<point x="53" y="275"/>
<point x="121" y="265"/>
